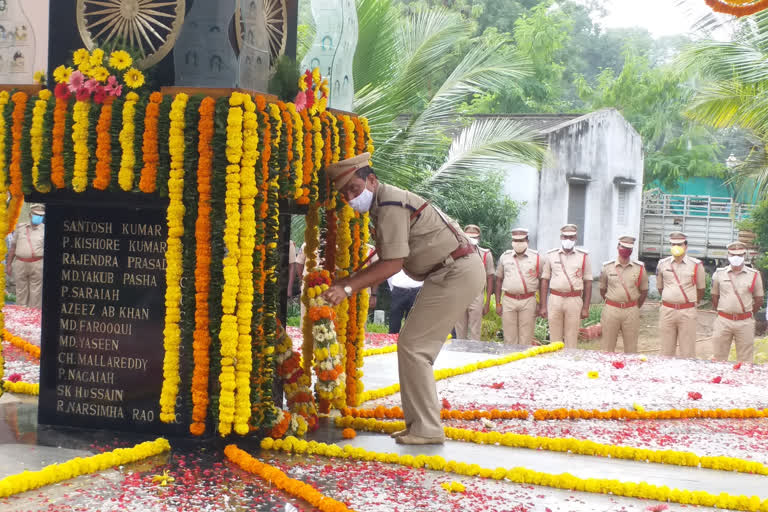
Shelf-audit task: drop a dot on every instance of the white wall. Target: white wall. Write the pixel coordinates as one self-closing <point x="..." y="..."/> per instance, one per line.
<point x="32" y="14"/>
<point x="602" y="146"/>
<point x="521" y="183"/>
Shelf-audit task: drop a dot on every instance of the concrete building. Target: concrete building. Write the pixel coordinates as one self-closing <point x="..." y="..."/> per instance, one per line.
<point x="593" y="178"/>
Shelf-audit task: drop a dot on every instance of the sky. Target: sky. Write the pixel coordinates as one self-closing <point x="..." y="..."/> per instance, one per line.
<point x="660" y="17"/>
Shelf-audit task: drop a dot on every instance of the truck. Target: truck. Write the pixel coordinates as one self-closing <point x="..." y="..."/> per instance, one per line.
<point x="711" y="223"/>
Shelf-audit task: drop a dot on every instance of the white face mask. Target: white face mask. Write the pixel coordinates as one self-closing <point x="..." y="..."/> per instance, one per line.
<point x="736" y="261"/>
<point x="474" y="241"/>
<point x="362" y="203"/>
<point x="568" y="244"/>
<point x="519" y="247"/>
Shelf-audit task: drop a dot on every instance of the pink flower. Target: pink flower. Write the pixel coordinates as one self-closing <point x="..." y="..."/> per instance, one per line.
<point x="446" y="404"/>
<point x="618" y="365"/>
<point x="717" y="380"/>
<point x="300" y="101"/>
<point x="658" y="508"/>
<point x="14" y="377"/>
<point x="91" y="85"/>
<point x="737" y="366"/>
<point x="117" y="91"/>
<point x="694" y="395"/>
<point x="99" y="94"/>
<point x="76" y="80"/>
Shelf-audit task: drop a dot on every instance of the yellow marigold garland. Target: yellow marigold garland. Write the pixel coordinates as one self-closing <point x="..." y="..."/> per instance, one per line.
<point x="36" y="136"/>
<point x="329" y="354"/>
<point x="380" y="350"/>
<point x="81" y="150"/>
<point x="228" y="336"/>
<point x="626" y="414"/>
<point x="125" y="176"/>
<point x="21" y="343"/>
<point x="446" y="373"/>
<point x="248" y="192"/>
<point x="28" y="480"/>
<point x="21" y="387"/>
<point x="298" y="156"/>
<point x="4" y="98"/>
<point x="520" y="475"/>
<point x="173" y="256"/>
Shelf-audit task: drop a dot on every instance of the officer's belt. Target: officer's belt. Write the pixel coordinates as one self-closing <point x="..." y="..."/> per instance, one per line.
<point x="522" y="296"/>
<point x="684" y="305"/>
<point x="737" y="316"/>
<point x="576" y="293"/>
<point x="29" y="260"/>
<point x="621" y="305"/>
<point x="460" y="252"/>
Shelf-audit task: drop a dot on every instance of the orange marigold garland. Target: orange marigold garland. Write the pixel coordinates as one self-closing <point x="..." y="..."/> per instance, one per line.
<point x="19" y="100"/>
<point x="296" y="383"/>
<point x="57" y="138"/>
<point x="104" y="146"/>
<point x="738" y="8"/>
<point x="151" y="157"/>
<point x="201" y="336"/>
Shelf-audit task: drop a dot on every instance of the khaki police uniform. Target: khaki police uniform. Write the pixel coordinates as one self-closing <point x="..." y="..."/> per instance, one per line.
<point x="520" y="275"/>
<point x="291" y="254"/>
<point x="677" y="316"/>
<point x="425" y="239"/>
<point x="470" y="324"/>
<point x="27" y="265"/>
<point x="737" y="292"/>
<point x="566" y="272"/>
<point x="623" y="284"/>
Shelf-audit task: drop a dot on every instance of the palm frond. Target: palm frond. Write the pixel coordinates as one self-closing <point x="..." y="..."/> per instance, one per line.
<point x="488" y="145"/>
<point x="373" y="63"/>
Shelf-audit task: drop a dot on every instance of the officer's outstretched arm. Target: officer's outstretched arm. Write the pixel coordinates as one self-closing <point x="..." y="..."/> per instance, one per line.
<point x="375" y="273"/>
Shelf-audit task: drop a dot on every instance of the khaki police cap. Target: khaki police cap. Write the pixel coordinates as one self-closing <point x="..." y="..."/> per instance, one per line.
<point x="677" y="237"/>
<point x="341" y="172"/>
<point x="472" y="230"/>
<point x="737" y="248"/>
<point x="569" y="229"/>
<point x="519" y="234"/>
<point x="37" y="208"/>
<point x="627" y="241"/>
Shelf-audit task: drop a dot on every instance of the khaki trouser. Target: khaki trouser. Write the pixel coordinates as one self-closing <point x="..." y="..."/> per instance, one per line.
<point x="518" y="319"/>
<point x="614" y="320"/>
<point x="742" y="332"/>
<point x="470" y="324"/>
<point x="677" y="327"/>
<point x="29" y="282"/>
<point x="564" y="315"/>
<point x="443" y="297"/>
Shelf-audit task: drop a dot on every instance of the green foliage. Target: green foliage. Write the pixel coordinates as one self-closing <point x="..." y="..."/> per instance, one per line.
<point x="482" y="201"/>
<point x="285" y="82"/>
<point x="376" y="328"/>
<point x="758" y="224"/>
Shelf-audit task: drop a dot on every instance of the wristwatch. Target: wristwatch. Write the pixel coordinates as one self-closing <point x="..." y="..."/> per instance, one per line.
<point x="348" y="290"/>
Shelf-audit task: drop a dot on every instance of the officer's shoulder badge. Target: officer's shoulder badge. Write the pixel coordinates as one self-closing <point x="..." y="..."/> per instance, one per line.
<point x="582" y="250"/>
<point x="606" y="263"/>
<point x="509" y="251"/>
<point x="636" y="262"/>
<point x="552" y="251"/>
<point x="695" y="260"/>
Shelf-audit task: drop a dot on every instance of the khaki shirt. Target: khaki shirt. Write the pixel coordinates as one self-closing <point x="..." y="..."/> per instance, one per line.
<point x="632" y="275"/>
<point x="530" y="268"/>
<point x="575" y="265"/>
<point x="29" y="240"/>
<point x="424" y="242"/>
<point x="747" y="282"/>
<point x="689" y="271"/>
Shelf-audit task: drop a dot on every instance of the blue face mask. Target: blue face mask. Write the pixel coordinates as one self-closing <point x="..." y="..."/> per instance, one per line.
<point x="37" y="219"/>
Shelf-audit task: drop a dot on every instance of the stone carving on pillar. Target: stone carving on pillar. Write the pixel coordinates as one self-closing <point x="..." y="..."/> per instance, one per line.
<point x="17" y="44"/>
<point x="254" y="49"/>
<point x="333" y="50"/>
<point x="203" y="55"/>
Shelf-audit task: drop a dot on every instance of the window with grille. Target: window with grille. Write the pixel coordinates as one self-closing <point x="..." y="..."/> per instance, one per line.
<point x="577" y="198"/>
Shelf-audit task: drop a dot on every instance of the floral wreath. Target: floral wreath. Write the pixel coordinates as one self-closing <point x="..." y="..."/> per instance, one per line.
<point x="93" y="74"/>
<point x="313" y="92"/>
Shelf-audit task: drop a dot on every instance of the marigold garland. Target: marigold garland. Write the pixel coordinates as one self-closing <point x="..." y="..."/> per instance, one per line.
<point x="21" y="343"/>
<point x="57" y="140"/>
<point x="201" y="336"/>
<point x="151" y="157"/>
<point x="37" y="136"/>
<point x="229" y="333"/>
<point x="4" y="97"/>
<point x="80" y="140"/>
<point x="329" y="362"/>
<point x="565" y="444"/>
<point x="296" y="383"/>
<point x="381" y="412"/>
<point x="280" y="480"/>
<point x="19" y="100"/>
<point x="523" y="476"/>
<point x="103" y="147"/>
<point x="446" y="373"/>
<point x="21" y="387"/>
<point x="626" y="414"/>
<point x="380" y="350"/>
<point x="28" y="480"/>
<point x="173" y="256"/>
<point x="125" y="177"/>
<point x="738" y="8"/>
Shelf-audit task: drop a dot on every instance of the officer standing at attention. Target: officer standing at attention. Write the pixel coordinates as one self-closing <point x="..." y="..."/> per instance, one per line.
<point x="26" y="258"/>
<point x="413" y="235"/>
<point x="680" y="280"/>
<point x="737" y="295"/>
<point x="517" y="280"/>
<point x="567" y="275"/>
<point x="624" y="286"/>
<point x="470" y="323"/>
